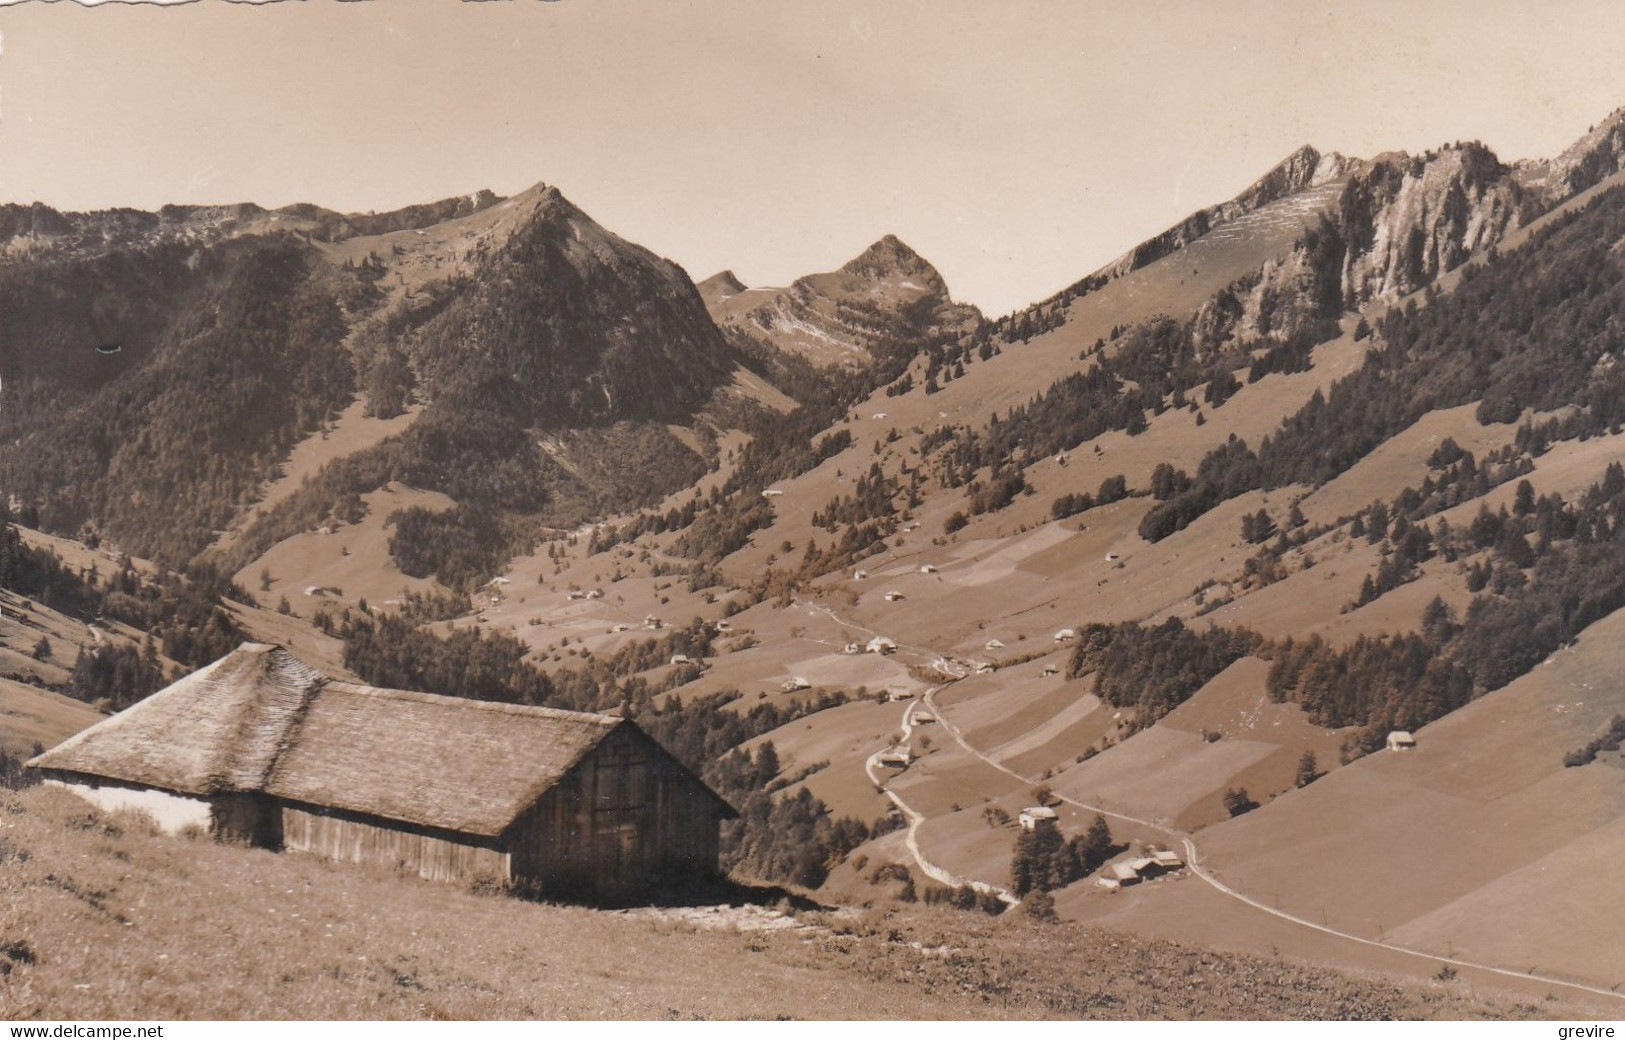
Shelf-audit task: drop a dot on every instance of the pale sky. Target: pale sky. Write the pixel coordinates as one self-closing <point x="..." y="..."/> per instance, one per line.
<point x="1016" y="145"/>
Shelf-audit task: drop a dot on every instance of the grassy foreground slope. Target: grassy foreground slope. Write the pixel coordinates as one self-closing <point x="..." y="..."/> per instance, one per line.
<point x="101" y="919"/>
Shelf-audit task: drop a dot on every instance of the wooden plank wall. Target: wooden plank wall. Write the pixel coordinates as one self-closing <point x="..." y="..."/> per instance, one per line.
<point x="437" y="859"/>
<point x="625" y="819"/>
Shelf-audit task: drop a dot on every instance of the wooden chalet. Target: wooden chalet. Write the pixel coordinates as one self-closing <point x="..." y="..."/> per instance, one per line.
<point x="261" y="747"/>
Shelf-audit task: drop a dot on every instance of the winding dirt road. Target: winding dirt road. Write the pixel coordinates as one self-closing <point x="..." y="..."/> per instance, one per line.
<point x="872" y="767"/>
<point x="1193" y="860"/>
<point x="1184" y="839"/>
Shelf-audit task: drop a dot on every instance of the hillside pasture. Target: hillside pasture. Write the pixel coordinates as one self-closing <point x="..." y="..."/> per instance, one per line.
<point x="104" y="920"/>
<point x="1480" y="812"/>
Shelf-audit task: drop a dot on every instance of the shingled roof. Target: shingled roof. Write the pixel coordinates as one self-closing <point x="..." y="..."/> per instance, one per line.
<point x="261" y="720"/>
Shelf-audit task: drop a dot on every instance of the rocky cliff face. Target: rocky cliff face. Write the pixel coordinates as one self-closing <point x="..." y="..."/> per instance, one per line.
<point x="1401" y="222"/>
<point x="1409" y="219"/>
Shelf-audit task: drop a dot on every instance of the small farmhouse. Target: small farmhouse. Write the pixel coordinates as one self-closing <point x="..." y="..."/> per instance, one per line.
<point x="1066" y="634"/>
<point x="894" y="596"/>
<point x="1401" y="740"/>
<point x="262" y="747"/>
<point x="1031" y="817"/>
<point x="881" y="645"/>
<point x="1124" y="873"/>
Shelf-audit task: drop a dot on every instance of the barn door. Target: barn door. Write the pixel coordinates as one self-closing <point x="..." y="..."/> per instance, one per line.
<point x="623" y="811"/>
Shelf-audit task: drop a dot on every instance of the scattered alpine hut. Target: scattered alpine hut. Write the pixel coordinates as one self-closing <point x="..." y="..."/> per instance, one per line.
<point x="261" y="747"/>
<point x="881" y="645"/>
<point x="894" y="596"/>
<point x="1031" y="817"/>
<point x="1066" y="635"/>
<point x="1401" y="740"/>
<point x="1123" y="873"/>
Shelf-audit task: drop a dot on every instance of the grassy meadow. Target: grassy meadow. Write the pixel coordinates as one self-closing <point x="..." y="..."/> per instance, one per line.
<point x="101" y="918"/>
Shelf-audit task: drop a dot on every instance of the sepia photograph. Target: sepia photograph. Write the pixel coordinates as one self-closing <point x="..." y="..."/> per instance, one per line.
<point x="713" y="510"/>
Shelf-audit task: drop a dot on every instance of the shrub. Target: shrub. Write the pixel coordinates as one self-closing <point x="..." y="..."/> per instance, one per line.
<point x="1040" y="906"/>
<point x="1237" y="801"/>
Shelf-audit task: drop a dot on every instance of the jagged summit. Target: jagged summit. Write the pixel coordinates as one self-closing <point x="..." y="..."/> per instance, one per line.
<point x="887" y="294"/>
<point x="1307" y="167"/>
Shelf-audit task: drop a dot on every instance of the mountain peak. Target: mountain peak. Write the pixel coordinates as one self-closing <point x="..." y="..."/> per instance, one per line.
<point x="891" y="259"/>
<point x="726" y="281"/>
<point x="886" y="256"/>
<point x="720" y="286"/>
